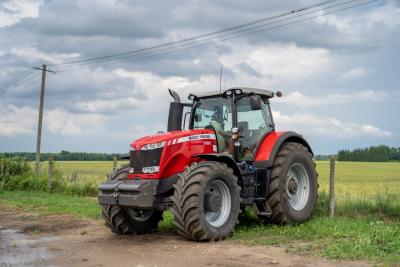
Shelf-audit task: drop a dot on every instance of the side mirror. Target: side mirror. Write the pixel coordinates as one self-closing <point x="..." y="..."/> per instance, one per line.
<point x="255" y="102"/>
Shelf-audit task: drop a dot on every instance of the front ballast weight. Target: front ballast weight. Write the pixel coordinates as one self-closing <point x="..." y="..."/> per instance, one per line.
<point x="129" y="193"/>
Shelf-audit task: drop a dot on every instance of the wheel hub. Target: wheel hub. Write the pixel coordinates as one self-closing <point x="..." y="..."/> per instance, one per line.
<point x="297" y="186"/>
<point x="217" y="203"/>
<point x="213" y="202"/>
<point x="292" y="186"/>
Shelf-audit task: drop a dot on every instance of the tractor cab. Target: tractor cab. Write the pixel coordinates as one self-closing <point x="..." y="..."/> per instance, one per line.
<point x="240" y="117"/>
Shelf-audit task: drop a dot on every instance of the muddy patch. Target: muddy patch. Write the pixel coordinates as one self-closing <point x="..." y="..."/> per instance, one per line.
<point x="19" y="249"/>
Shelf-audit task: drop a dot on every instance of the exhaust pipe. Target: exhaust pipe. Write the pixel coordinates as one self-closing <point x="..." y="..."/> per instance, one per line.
<point x="174" y="95"/>
<point x="175" y="112"/>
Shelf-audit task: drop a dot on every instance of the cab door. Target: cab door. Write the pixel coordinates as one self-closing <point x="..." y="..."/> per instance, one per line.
<point x="253" y="125"/>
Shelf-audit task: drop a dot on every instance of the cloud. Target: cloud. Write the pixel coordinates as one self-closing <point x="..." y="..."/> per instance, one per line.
<point x="316" y="125"/>
<point x="299" y="99"/>
<point x="278" y="60"/>
<point x="330" y="61"/>
<point x="12" y="11"/>
<point x="106" y="106"/>
<point x="16" y="120"/>
<point x="64" y="123"/>
<point x="354" y="73"/>
<point x="32" y="54"/>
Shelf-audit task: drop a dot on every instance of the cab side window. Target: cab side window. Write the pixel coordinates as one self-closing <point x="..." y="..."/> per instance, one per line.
<point x="253" y="125"/>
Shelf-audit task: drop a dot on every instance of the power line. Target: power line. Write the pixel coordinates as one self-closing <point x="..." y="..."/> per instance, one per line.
<point x="209" y="42"/>
<point x="287" y="13"/>
<point x="16" y="79"/>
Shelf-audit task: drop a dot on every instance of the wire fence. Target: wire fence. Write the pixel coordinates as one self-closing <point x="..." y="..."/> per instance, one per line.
<point x="370" y="185"/>
<point x="357" y="185"/>
<point x="361" y="179"/>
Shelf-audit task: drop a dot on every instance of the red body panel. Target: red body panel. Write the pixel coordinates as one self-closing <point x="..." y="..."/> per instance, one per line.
<point x="264" y="151"/>
<point x="178" y="150"/>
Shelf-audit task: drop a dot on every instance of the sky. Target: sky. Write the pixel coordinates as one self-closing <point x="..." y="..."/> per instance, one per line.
<point x="339" y="73"/>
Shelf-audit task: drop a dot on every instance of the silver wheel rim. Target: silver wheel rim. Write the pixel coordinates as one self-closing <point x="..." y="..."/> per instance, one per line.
<point x="297" y="186"/>
<point x="218" y="218"/>
<point x="139" y="215"/>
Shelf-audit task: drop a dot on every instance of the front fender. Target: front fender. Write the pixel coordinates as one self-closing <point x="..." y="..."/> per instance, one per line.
<point x="272" y="142"/>
<point x="222" y="158"/>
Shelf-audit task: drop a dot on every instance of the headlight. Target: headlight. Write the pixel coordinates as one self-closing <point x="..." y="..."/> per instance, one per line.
<point x="153" y="146"/>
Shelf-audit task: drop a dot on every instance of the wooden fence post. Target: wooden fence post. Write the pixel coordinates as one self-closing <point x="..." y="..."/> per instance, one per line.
<point x="114" y="163"/>
<point x="332" y="187"/>
<point x="74" y="177"/>
<point x="1" y="168"/>
<point x="50" y="173"/>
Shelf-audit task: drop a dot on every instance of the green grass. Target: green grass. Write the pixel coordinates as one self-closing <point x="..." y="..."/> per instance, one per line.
<point x="51" y="203"/>
<point x="339" y="238"/>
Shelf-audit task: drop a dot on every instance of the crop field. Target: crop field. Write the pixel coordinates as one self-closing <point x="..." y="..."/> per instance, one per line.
<point x="361" y="179"/>
<point x="353" y="179"/>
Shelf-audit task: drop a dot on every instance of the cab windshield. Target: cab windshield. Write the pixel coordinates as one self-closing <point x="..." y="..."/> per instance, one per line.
<point x="216" y="114"/>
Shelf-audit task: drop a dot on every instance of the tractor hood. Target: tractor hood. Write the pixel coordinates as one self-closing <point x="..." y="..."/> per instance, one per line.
<point x="159" y="140"/>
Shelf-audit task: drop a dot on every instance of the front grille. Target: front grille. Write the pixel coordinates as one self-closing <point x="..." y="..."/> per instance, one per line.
<point x="144" y="158"/>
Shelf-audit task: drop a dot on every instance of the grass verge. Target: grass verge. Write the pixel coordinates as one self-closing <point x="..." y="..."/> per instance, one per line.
<point x="51" y="203"/>
<point x="366" y="238"/>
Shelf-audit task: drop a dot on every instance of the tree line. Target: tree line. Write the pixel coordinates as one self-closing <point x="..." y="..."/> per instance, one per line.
<point x="63" y="155"/>
<point x="373" y="153"/>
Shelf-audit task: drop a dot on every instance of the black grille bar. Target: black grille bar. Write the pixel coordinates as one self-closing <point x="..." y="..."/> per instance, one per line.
<point x="144" y="158"/>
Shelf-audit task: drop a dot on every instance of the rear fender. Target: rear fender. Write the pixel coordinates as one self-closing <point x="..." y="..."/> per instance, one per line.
<point x="271" y="144"/>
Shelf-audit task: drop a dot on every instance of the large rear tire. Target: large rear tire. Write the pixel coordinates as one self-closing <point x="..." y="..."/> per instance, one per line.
<point x="293" y="188"/>
<point x="125" y="220"/>
<point x="206" y="201"/>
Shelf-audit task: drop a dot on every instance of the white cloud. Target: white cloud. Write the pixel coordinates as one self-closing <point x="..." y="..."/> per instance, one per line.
<point x="280" y="61"/>
<point x="315" y="125"/>
<point x="106" y="105"/>
<point x="63" y="122"/>
<point x="298" y="99"/>
<point x="23" y="120"/>
<point x="12" y="11"/>
<point x="354" y="73"/>
<point x="372" y="26"/>
<point x="16" y="120"/>
<point x="32" y="54"/>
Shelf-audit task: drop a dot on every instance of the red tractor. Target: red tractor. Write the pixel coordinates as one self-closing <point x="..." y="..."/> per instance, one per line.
<point x="228" y="158"/>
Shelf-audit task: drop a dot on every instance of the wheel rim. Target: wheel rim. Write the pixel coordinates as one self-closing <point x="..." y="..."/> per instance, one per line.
<point x="297" y="186"/>
<point x="219" y="192"/>
<point x="139" y="215"/>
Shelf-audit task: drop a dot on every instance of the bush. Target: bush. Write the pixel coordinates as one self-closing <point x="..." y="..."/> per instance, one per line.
<point x="17" y="174"/>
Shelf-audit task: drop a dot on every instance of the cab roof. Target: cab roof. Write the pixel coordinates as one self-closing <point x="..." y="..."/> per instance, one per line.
<point x="243" y="90"/>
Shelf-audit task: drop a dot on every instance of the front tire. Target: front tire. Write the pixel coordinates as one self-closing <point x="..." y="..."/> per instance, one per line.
<point x="206" y="201"/>
<point x="125" y="220"/>
<point x="293" y="189"/>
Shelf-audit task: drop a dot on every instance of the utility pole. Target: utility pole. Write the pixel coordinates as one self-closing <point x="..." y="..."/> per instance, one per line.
<point x="39" y="131"/>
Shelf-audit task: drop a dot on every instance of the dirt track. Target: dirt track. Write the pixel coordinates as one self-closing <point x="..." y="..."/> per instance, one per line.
<point x="60" y="240"/>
